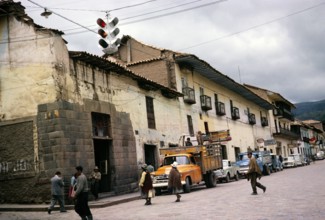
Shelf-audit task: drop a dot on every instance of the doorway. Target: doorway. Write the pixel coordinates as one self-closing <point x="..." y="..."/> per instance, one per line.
<point x="102" y="150"/>
<point x="150" y="155"/>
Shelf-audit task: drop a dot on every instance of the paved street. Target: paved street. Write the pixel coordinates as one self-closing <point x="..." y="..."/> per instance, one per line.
<point x="295" y="193"/>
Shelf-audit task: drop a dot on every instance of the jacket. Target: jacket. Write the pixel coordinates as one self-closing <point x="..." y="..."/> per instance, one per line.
<point x="174" y="179"/>
<point x="57" y="185"/>
<point x="82" y="184"/>
<point x="253" y="168"/>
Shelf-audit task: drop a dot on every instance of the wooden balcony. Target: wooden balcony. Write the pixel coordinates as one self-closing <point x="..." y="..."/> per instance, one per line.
<point x="189" y="95"/>
<point x="205" y="102"/>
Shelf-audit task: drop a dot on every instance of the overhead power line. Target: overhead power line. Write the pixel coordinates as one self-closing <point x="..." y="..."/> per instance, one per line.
<point x="253" y="27"/>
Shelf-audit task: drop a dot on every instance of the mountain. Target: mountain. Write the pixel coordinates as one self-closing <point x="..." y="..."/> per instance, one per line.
<point x="310" y="110"/>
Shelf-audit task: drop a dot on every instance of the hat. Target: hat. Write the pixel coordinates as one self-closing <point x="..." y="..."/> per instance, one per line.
<point x="96" y="168"/>
<point x="144" y="166"/>
<point x="174" y="164"/>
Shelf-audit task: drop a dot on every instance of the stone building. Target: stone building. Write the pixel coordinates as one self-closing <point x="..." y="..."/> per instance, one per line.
<point x="60" y="109"/>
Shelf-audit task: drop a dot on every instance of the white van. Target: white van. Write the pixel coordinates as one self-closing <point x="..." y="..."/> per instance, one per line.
<point x="298" y="159"/>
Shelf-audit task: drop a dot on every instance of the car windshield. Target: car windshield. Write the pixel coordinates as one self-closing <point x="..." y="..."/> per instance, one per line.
<point x="179" y="159"/>
<point x="288" y="158"/>
<point x="243" y="157"/>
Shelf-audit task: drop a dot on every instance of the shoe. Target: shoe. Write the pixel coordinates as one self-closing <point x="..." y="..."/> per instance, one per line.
<point x="64" y="211"/>
<point x="254" y="193"/>
<point x="49" y="211"/>
<point x="177" y="200"/>
<point x="264" y="189"/>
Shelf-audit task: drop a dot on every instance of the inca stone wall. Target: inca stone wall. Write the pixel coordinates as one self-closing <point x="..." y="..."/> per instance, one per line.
<point x="64" y="141"/>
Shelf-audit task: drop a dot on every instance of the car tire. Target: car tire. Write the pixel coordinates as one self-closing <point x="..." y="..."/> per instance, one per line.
<point x="236" y="176"/>
<point x="187" y="186"/>
<point x="227" y="178"/>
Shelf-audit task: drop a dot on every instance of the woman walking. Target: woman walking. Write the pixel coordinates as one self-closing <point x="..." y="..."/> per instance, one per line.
<point x="174" y="181"/>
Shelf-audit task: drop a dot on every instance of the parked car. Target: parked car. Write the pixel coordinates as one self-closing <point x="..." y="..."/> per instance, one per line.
<point x="289" y="162"/>
<point x="320" y="155"/>
<point x="263" y="159"/>
<point x="298" y="159"/>
<point x="229" y="171"/>
<point x="276" y="163"/>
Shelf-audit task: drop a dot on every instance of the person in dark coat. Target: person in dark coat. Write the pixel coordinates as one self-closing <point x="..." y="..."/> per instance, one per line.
<point x="253" y="173"/>
<point x="57" y="192"/>
<point x="81" y="206"/>
<point x="174" y="181"/>
<point x="146" y="184"/>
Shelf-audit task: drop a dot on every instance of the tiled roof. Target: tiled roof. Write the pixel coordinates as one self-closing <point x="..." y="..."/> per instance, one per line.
<point x="109" y="65"/>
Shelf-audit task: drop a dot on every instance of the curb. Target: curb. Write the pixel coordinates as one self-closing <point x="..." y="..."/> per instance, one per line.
<point x="40" y="208"/>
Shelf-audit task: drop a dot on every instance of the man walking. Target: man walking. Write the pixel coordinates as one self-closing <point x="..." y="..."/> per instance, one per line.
<point x="57" y="192"/>
<point x="253" y="173"/>
<point x="81" y="205"/>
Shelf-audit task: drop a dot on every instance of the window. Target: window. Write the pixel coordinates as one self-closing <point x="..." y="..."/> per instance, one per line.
<point x="190" y="125"/>
<point x="101" y="125"/>
<point x="150" y="113"/>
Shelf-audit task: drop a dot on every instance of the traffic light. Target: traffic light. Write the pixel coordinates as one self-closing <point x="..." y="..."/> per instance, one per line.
<point x="108" y="33"/>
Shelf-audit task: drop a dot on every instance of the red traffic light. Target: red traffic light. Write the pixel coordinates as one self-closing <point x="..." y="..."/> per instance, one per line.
<point x="101" y="22"/>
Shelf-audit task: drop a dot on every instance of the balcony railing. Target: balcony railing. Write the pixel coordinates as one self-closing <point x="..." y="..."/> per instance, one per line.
<point x="285" y="133"/>
<point x="264" y="121"/>
<point x="189" y="95"/>
<point x="283" y="113"/>
<point x="220" y="107"/>
<point x="235" y="113"/>
<point x="205" y="102"/>
<point x="251" y="119"/>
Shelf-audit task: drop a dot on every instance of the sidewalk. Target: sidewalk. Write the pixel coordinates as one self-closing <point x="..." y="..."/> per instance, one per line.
<point x="100" y="203"/>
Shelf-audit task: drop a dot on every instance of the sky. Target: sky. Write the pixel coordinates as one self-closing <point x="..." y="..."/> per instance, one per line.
<point x="278" y="45"/>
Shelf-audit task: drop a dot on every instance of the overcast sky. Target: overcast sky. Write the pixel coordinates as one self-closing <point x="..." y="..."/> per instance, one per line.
<point x="277" y="45"/>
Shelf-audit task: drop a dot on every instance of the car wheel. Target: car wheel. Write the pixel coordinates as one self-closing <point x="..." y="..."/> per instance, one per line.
<point x="157" y="191"/>
<point x="227" y="178"/>
<point x="187" y="186"/>
<point x="236" y="177"/>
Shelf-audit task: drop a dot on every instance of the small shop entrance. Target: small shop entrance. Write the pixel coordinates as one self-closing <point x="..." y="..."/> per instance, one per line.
<point x="102" y="160"/>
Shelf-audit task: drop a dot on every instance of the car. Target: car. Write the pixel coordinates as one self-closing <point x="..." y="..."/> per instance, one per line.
<point x="276" y="163"/>
<point x="298" y="159"/>
<point x="289" y="162"/>
<point x="229" y="171"/>
<point x="320" y="155"/>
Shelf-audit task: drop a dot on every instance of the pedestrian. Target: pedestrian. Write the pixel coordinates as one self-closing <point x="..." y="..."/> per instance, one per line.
<point x="57" y="192"/>
<point x="146" y="184"/>
<point x="199" y="138"/>
<point x="280" y="158"/>
<point x="188" y="142"/>
<point x="174" y="182"/>
<point x="81" y="195"/>
<point x="95" y="180"/>
<point x="73" y="182"/>
<point x="150" y="168"/>
<point x="253" y="173"/>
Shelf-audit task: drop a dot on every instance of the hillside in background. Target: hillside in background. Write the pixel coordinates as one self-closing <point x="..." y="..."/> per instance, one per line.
<point x="310" y="110"/>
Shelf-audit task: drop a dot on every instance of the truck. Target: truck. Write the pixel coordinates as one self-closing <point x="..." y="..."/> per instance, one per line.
<point x="195" y="164"/>
<point x="229" y="171"/>
<point x="263" y="159"/>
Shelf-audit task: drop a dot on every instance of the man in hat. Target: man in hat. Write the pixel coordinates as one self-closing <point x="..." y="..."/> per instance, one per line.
<point x="95" y="179"/>
<point x="174" y="181"/>
<point x="253" y="173"/>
